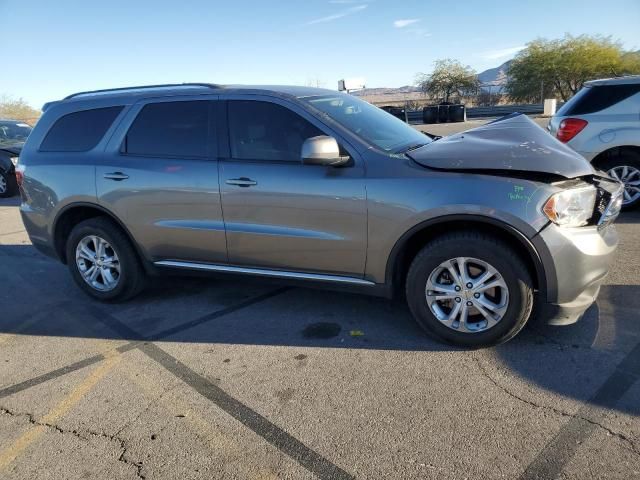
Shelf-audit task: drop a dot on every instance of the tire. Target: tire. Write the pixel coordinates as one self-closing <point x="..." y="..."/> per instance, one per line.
<point x="131" y="277"/>
<point x="616" y="163"/>
<point x="484" y="248"/>
<point x="8" y="185"/>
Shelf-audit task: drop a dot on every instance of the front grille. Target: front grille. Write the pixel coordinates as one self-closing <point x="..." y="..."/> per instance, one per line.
<point x="602" y="200"/>
<point x="608" y="201"/>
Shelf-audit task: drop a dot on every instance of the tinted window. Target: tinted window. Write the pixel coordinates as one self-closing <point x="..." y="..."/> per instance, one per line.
<point x="79" y="131"/>
<point x="13" y="133"/>
<point x="594" y="99"/>
<point x="170" y="129"/>
<point x="266" y="131"/>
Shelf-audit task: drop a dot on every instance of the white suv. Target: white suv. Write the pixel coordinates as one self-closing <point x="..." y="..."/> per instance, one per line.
<point x="602" y="122"/>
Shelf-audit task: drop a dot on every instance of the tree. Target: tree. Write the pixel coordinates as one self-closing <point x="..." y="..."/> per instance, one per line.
<point x="559" y="68"/>
<point x="448" y="77"/>
<point x="19" y="109"/>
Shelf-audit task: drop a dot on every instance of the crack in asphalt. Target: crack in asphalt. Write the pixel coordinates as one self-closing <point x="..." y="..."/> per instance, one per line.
<point x="151" y="403"/>
<point x="632" y="446"/>
<point x="82" y="435"/>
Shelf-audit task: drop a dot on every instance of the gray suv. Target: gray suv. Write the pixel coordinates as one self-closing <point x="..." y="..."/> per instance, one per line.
<point x="311" y="185"/>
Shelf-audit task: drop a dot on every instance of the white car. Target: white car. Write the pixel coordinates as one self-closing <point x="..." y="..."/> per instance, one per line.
<point x="602" y="123"/>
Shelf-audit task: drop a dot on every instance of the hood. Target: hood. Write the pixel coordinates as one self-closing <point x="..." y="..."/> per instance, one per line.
<point x="13" y="148"/>
<point x="513" y="143"/>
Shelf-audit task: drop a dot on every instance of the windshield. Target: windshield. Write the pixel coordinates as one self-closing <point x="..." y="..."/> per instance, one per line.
<point x="13" y="132"/>
<point x="369" y="122"/>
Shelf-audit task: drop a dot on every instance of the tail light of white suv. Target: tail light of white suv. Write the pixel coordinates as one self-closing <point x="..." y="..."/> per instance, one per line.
<point x="569" y="128"/>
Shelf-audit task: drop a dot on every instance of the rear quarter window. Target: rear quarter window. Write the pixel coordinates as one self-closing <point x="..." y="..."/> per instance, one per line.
<point x="79" y="131"/>
<point x="597" y="98"/>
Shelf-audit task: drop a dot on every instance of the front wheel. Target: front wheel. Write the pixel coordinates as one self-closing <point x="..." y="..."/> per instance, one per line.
<point x="469" y="289"/>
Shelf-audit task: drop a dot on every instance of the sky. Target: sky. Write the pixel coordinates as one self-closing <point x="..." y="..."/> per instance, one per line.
<point x="50" y="49"/>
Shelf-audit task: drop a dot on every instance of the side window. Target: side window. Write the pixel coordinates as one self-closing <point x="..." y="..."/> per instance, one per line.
<point x="79" y="131"/>
<point x="266" y="131"/>
<point x="170" y="129"/>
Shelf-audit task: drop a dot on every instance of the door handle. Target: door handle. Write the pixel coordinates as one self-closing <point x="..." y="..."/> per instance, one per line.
<point x="117" y="176"/>
<point x="241" y="182"/>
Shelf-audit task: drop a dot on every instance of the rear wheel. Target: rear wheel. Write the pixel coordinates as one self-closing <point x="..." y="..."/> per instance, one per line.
<point x="469" y="289"/>
<point x="626" y="168"/>
<point x="103" y="262"/>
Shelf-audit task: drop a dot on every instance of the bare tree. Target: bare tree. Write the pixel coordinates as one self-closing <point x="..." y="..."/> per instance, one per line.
<point x="19" y="109"/>
<point x="448" y="77"/>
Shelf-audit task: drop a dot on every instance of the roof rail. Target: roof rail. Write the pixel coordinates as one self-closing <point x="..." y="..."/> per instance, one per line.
<point x="142" y="87"/>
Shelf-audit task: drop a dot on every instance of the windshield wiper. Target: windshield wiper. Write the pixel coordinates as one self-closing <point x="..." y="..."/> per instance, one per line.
<point x="415" y="146"/>
<point x="432" y="136"/>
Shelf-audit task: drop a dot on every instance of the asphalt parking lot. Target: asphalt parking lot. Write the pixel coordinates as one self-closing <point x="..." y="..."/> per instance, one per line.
<point x="449" y="128"/>
<point x="236" y="378"/>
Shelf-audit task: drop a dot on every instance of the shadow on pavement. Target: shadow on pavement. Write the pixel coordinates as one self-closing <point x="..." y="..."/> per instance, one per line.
<point x="39" y="298"/>
<point x="10" y="202"/>
<point x="629" y="218"/>
<point x="576" y="360"/>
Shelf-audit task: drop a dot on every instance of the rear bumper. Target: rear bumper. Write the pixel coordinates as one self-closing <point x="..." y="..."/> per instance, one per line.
<point x="35" y="225"/>
<point x="581" y="259"/>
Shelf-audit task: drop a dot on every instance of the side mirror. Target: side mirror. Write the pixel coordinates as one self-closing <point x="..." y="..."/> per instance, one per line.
<point x="322" y="150"/>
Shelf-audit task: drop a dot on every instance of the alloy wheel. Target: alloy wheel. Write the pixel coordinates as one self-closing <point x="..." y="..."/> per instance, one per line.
<point x="3" y="184"/>
<point x="467" y="294"/>
<point x="630" y="176"/>
<point x="98" y="263"/>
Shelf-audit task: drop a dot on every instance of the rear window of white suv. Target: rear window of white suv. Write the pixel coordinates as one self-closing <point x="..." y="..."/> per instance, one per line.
<point x="598" y="97"/>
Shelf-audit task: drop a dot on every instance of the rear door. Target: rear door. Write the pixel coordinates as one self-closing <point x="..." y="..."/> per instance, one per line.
<point x="160" y="176"/>
<point x="278" y="212"/>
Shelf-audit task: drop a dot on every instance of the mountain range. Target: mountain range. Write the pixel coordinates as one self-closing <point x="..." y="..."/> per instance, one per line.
<point x="493" y="77"/>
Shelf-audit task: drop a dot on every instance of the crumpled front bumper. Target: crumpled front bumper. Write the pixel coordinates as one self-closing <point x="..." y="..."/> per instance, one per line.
<point x="581" y="258"/>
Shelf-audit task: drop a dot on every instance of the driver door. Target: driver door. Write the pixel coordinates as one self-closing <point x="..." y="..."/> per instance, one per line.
<point x="279" y="213"/>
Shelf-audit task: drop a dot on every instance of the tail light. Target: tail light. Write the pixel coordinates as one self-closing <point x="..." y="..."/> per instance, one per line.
<point x="569" y="128"/>
<point x="20" y="174"/>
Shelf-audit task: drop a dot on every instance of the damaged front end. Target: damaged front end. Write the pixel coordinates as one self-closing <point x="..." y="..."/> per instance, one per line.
<point x="514" y="146"/>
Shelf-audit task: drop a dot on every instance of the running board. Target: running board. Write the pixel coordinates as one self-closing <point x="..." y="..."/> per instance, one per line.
<point x="261" y="272"/>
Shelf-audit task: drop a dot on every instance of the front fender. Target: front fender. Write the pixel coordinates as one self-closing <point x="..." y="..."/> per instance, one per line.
<point x="395" y="206"/>
<point x="536" y="248"/>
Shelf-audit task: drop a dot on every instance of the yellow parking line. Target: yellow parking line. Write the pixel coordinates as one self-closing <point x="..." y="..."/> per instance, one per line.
<point x="31" y="435"/>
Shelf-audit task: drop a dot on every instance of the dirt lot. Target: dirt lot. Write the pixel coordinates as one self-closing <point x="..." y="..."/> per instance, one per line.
<point x="238" y="378"/>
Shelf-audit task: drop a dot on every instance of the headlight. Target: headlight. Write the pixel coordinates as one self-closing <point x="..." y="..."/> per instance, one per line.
<point x="572" y="207"/>
<point x="14" y="160"/>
